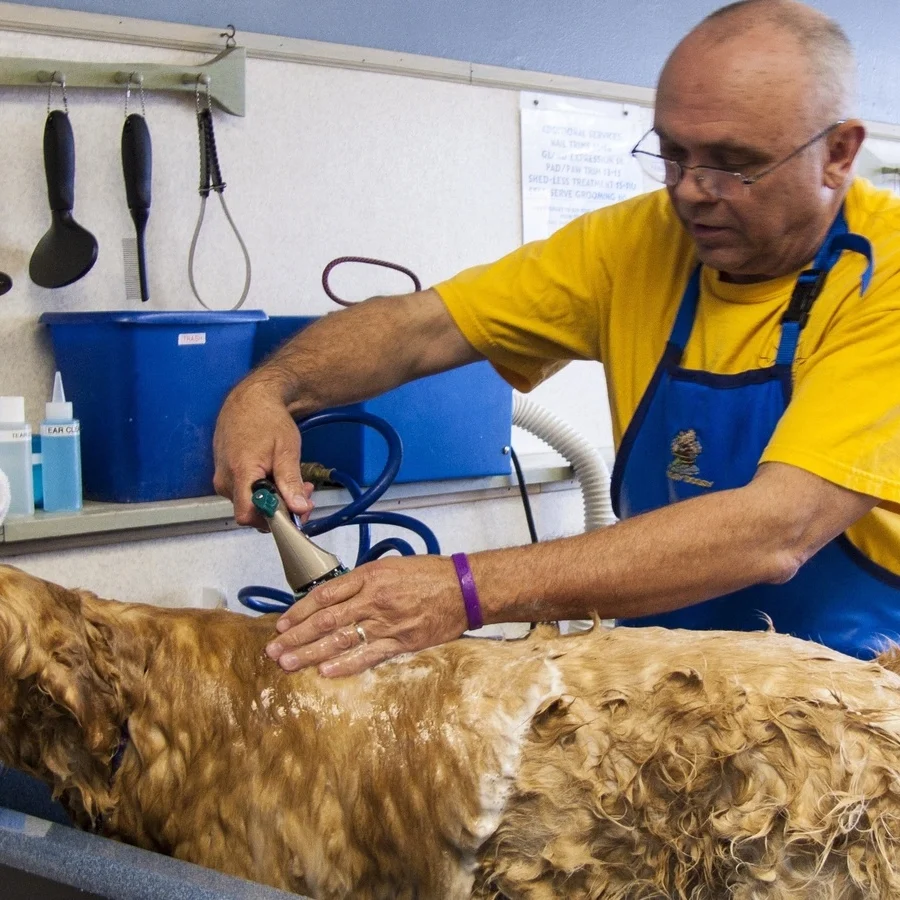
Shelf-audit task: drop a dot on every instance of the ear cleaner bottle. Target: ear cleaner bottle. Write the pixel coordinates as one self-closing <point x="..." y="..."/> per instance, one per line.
<point x="61" y="453"/>
<point x="15" y="455"/>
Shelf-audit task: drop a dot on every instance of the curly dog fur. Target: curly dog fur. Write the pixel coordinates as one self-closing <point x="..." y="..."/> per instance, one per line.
<point x="632" y="763"/>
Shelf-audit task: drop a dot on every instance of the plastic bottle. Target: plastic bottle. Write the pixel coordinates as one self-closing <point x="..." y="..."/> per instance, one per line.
<point x="61" y="453"/>
<point x="15" y="455"/>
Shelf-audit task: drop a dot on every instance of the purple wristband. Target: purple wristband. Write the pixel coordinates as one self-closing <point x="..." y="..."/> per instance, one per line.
<point x="469" y="591"/>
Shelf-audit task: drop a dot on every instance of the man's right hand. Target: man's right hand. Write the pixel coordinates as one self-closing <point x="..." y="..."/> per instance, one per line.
<point x="256" y="437"/>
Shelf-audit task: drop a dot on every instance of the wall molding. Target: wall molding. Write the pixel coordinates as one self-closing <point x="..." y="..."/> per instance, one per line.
<point x="201" y="39"/>
<point x="194" y="38"/>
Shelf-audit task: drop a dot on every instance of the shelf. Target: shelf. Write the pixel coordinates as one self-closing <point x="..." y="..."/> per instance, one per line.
<point x="112" y="523"/>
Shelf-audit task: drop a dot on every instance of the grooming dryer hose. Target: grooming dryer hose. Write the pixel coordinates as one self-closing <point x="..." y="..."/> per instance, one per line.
<point x="590" y="467"/>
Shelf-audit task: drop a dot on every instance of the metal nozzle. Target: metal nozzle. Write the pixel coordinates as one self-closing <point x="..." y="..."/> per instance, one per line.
<point x="305" y="564"/>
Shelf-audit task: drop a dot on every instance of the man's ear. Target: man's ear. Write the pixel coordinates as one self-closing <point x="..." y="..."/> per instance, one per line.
<point x="842" y="145"/>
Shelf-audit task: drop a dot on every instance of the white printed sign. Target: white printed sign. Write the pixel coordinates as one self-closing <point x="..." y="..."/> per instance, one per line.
<point x="576" y="157"/>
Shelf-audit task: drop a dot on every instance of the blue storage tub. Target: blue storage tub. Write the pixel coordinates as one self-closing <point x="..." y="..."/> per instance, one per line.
<point x="453" y="425"/>
<point x="147" y="387"/>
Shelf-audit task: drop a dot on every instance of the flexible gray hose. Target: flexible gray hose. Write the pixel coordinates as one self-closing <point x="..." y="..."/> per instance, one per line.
<point x="589" y="466"/>
<point x="590" y="470"/>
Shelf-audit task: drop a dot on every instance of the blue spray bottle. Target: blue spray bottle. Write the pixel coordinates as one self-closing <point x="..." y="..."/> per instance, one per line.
<point x="61" y="453"/>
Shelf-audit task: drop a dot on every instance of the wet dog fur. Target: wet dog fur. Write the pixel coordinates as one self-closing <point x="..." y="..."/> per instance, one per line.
<point x="625" y="763"/>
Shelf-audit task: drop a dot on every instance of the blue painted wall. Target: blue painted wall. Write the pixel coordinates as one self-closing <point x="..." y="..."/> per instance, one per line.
<point x="625" y="41"/>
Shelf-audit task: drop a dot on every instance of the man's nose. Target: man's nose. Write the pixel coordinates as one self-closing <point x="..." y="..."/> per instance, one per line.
<point x="695" y="186"/>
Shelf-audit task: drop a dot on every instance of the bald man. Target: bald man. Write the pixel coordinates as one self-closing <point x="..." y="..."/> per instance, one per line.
<point x="748" y="317"/>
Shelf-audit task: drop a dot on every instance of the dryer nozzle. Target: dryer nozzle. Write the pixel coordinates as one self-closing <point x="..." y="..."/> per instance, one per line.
<point x="305" y="564"/>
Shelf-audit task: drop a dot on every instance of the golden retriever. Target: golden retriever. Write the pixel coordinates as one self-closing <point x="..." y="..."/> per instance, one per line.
<point x="626" y="763"/>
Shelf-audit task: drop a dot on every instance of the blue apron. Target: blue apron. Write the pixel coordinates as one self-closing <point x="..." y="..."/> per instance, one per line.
<point x="696" y="432"/>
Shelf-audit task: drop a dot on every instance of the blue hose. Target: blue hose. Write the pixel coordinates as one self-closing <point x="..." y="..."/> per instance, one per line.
<point x="249" y="596"/>
<point x="355" y="491"/>
<point x="401" y="521"/>
<point x="404" y="548"/>
<point x="354" y="513"/>
<point x="381" y="483"/>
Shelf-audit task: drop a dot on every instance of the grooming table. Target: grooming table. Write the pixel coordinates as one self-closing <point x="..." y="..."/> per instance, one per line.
<point x="41" y="857"/>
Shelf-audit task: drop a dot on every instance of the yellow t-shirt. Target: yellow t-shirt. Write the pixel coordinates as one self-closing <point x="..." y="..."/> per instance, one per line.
<point x="607" y="287"/>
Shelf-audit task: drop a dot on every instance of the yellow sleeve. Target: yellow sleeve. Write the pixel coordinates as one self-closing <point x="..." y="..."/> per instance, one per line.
<point x="843" y="422"/>
<point x="537" y="308"/>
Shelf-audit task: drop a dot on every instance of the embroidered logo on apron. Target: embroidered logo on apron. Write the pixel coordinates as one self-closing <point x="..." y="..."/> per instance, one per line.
<point x="686" y="448"/>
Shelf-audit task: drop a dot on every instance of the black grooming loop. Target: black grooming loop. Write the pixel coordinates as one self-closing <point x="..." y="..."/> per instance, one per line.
<point x="368" y="261"/>
<point x="211" y="181"/>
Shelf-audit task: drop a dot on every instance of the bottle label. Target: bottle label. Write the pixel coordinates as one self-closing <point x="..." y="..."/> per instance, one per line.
<point x="17" y="434"/>
<point x="191" y="339"/>
<point x="63" y="429"/>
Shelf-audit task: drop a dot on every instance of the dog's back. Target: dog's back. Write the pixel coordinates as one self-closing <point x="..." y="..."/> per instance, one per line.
<point x="695" y="765"/>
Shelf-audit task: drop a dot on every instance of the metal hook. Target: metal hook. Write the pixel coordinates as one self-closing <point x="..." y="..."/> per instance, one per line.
<point x="138" y="79"/>
<point x="229" y="34"/>
<point x="60" y="79"/>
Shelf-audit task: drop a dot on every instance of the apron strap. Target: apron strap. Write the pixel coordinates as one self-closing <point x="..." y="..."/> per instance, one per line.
<point x="811" y="282"/>
<point x="684" y="321"/>
<point x="856" y="243"/>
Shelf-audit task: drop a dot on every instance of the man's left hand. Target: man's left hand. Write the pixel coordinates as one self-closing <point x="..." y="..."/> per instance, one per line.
<point x="379" y="610"/>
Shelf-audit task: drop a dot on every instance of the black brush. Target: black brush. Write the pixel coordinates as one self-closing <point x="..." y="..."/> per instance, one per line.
<point x="137" y="166"/>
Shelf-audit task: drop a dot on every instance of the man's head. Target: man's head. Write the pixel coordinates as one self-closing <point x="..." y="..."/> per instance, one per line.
<point x="746" y="88"/>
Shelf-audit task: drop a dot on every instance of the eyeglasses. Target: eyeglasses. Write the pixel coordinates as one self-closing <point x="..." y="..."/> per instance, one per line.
<point x="716" y="181"/>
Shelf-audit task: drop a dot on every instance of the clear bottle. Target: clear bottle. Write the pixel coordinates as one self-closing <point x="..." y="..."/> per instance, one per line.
<point x="15" y="455"/>
<point x="61" y="453"/>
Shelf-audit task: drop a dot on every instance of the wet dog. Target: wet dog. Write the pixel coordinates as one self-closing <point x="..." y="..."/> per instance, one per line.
<point x="625" y="763"/>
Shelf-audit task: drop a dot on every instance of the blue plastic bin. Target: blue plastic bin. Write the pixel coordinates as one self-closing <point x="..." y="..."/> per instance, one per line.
<point x="147" y="387"/>
<point x="453" y="425"/>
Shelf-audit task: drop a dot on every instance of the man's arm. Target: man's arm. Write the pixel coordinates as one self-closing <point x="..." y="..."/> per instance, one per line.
<point x="345" y="357"/>
<point x="674" y="556"/>
<point x="662" y="560"/>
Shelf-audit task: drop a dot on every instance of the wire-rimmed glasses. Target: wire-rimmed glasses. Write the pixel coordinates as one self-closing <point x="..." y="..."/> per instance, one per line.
<point x="714" y="180"/>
